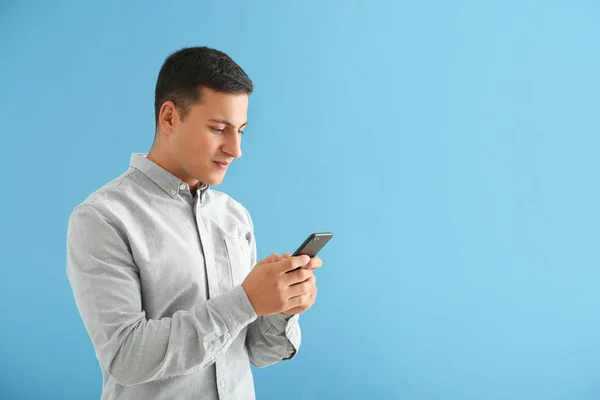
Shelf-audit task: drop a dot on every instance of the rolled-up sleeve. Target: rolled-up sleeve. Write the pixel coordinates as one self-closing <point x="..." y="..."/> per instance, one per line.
<point x="272" y="338"/>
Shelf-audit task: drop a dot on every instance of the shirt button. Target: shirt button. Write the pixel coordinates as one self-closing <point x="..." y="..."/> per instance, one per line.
<point x="173" y="192"/>
<point x="182" y="186"/>
<point x="222" y="384"/>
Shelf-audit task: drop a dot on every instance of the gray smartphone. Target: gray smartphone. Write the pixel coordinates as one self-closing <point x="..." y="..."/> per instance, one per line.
<point x="312" y="245"/>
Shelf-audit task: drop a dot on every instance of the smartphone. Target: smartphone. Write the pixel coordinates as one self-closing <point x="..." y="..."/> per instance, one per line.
<point x="312" y="245"/>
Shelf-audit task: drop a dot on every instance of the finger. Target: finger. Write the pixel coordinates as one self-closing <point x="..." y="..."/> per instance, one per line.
<point x="298" y="301"/>
<point x="305" y="303"/>
<point x="292" y="263"/>
<point x="301" y="288"/>
<point x="297" y="276"/>
<point x="314" y="263"/>
<point x="287" y="255"/>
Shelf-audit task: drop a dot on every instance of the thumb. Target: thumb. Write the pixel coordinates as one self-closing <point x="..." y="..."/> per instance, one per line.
<point x="270" y="259"/>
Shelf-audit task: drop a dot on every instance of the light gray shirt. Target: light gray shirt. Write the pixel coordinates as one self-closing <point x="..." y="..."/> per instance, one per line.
<point x="156" y="275"/>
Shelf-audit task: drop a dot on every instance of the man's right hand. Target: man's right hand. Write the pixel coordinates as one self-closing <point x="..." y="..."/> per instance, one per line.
<point x="272" y="290"/>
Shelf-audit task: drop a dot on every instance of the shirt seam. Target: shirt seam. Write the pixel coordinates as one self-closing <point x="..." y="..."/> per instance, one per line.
<point x="103" y="192"/>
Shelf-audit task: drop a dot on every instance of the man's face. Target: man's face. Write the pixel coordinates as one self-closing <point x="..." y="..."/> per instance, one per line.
<point x="209" y="137"/>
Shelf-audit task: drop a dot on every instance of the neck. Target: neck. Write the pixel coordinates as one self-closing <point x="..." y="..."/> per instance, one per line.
<point x="164" y="160"/>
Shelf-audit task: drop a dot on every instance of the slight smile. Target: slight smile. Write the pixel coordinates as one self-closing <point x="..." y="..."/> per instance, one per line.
<point x="221" y="164"/>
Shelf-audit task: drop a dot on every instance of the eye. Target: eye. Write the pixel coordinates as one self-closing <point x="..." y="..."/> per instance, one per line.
<point x="217" y="130"/>
<point x="241" y="132"/>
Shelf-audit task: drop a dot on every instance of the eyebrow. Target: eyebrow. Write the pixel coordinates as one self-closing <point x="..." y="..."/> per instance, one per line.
<point x="225" y="122"/>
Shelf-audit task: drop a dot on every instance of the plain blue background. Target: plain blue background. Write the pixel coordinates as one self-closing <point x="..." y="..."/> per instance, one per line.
<point x="452" y="147"/>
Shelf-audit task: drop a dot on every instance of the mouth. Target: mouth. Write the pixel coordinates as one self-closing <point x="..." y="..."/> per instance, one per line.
<point x="221" y="164"/>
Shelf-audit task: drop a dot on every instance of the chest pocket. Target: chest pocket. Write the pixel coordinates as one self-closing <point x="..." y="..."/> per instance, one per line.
<point x="239" y="258"/>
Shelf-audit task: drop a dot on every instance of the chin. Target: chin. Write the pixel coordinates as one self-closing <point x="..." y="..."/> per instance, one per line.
<point x="210" y="176"/>
<point x="214" y="180"/>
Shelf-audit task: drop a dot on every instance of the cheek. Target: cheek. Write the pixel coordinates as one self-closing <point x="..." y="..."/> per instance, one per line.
<point x="198" y="146"/>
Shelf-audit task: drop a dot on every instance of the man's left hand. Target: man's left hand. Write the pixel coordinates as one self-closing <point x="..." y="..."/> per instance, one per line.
<point x="308" y="299"/>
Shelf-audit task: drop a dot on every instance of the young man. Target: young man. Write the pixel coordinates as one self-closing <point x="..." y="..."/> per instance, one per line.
<point x="163" y="268"/>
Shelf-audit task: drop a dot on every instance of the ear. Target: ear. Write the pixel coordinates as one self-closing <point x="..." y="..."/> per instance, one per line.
<point x="167" y="117"/>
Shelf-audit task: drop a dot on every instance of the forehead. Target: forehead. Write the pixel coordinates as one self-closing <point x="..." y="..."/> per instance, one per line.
<point x="213" y="104"/>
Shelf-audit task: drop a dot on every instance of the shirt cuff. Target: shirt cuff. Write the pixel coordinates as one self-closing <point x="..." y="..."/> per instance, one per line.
<point x="292" y="332"/>
<point x="281" y="322"/>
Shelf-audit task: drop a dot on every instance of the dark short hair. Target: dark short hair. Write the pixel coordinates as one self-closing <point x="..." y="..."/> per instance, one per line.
<point x="185" y="72"/>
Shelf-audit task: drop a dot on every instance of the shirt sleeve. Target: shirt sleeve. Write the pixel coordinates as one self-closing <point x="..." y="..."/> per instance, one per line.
<point x="272" y="338"/>
<point x="106" y="287"/>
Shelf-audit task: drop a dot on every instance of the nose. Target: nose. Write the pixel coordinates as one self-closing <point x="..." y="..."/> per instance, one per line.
<point x="233" y="146"/>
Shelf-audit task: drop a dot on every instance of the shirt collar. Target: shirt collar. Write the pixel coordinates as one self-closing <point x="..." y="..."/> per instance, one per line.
<point x="171" y="184"/>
